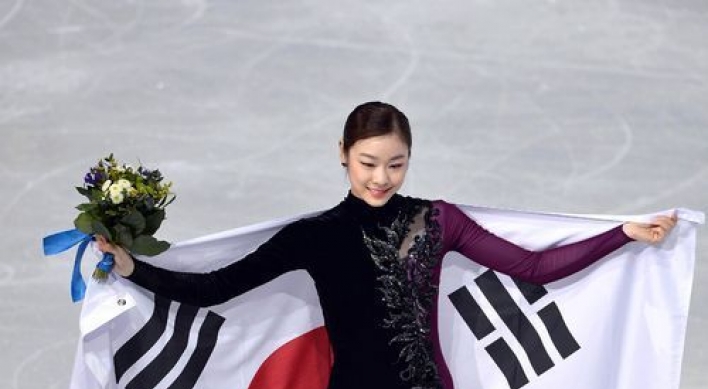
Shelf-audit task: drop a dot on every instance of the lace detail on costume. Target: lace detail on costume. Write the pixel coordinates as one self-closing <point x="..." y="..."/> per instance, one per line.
<point x="408" y="289"/>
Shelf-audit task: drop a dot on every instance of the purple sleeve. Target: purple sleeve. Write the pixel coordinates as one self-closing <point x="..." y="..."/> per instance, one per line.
<point x="464" y="235"/>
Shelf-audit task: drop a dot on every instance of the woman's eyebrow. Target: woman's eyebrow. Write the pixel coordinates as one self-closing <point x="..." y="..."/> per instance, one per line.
<point x="400" y="156"/>
<point x="368" y="156"/>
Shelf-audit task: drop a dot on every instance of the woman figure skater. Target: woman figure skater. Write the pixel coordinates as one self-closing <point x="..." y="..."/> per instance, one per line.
<point x="375" y="259"/>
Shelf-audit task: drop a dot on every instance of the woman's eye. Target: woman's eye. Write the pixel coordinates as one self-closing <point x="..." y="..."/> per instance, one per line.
<point x="368" y="164"/>
<point x="396" y="166"/>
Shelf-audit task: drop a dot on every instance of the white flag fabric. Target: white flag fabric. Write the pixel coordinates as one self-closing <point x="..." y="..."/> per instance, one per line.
<point x="618" y="324"/>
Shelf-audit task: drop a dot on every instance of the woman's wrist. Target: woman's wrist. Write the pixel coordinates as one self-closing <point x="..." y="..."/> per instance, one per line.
<point x="124" y="263"/>
<point x="628" y="230"/>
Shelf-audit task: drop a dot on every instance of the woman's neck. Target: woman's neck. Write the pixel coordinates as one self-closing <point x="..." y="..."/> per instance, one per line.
<point x="367" y="213"/>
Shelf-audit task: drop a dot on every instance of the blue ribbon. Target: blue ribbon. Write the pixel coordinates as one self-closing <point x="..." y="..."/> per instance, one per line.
<point x="62" y="241"/>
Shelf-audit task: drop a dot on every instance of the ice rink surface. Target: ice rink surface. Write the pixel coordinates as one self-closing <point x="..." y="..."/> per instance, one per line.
<point x="557" y="105"/>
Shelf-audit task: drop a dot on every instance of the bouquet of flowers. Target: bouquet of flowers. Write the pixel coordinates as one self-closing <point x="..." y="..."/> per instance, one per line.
<point x="125" y="205"/>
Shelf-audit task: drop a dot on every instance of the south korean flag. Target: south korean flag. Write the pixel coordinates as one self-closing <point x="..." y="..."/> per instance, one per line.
<point x="618" y="324"/>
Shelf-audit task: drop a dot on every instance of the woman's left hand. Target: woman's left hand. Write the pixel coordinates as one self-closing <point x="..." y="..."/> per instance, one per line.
<point x="653" y="232"/>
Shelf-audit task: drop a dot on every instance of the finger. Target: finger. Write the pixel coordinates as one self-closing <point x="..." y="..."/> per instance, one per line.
<point x="102" y="240"/>
<point x="668" y="218"/>
<point x="104" y="245"/>
<point x="659" y="233"/>
<point x="659" y="218"/>
<point x="666" y="223"/>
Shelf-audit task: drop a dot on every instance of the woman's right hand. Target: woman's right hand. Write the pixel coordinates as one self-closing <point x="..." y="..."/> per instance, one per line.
<point x="652" y="233"/>
<point x="124" y="264"/>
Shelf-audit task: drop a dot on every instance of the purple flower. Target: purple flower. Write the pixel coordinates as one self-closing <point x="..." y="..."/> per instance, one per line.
<point x="150" y="175"/>
<point x="93" y="177"/>
<point x="144" y="172"/>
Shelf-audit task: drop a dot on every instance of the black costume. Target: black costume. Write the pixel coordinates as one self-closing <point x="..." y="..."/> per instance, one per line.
<point x="376" y="271"/>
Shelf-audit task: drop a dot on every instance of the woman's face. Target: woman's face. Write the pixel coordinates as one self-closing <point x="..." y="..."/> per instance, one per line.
<point x="376" y="167"/>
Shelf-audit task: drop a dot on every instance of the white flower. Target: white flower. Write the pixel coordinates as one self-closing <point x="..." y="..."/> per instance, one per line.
<point x="118" y="190"/>
<point x="125" y="184"/>
<point x="106" y="185"/>
<point x="117" y="197"/>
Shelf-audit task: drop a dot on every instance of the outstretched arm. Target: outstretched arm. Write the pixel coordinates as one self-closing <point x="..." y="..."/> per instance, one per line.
<point x="462" y="234"/>
<point x="275" y="257"/>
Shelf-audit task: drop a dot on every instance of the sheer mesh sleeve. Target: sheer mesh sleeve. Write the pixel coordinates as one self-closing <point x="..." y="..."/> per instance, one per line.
<point x="284" y="252"/>
<point x="462" y="234"/>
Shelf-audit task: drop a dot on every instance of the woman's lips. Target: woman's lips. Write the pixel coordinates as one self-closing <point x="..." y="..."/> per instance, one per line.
<point x="378" y="193"/>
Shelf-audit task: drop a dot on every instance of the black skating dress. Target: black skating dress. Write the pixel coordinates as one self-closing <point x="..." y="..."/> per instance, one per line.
<point x="376" y="271"/>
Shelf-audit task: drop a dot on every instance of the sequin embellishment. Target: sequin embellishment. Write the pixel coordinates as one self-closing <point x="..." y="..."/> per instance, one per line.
<point x="408" y="290"/>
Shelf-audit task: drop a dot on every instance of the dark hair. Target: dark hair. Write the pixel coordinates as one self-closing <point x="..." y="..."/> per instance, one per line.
<point x="375" y="119"/>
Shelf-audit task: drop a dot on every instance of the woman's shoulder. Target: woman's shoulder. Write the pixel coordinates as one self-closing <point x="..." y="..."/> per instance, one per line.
<point x="321" y="220"/>
<point x="405" y="199"/>
<point x="442" y="204"/>
<point x="431" y="203"/>
<point x="440" y="209"/>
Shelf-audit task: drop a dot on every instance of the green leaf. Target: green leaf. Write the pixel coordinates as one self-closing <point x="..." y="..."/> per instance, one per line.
<point x="124" y="236"/>
<point x="100" y="229"/>
<point x="84" y="223"/>
<point x="174" y="197"/>
<point x="167" y="200"/>
<point x="84" y="191"/>
<point x="135" y="221"/>
<point x="95" y="195"/>
<point x="148" y="245"/>
<point x="87" y="207"/>
<point x="153" y="221"/>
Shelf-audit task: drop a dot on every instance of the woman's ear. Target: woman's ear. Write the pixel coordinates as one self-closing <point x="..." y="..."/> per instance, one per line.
<point x="342" y="154"/>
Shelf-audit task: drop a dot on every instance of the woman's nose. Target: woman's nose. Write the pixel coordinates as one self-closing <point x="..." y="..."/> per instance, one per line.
<point x="380" y="176"/>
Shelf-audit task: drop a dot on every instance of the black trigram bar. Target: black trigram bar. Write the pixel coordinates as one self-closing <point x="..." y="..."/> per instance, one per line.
<point x="167" y="359"/>
<point x="206" y="341"/>
<point x="158" y="368"/>
<point x="508" y="363"/>
<point x="471" y="313"/>
<point x="515" y="320"/>
<point x="144" y="339"/>
<point x="531" y="292"/>
<point x="558" y="330"/>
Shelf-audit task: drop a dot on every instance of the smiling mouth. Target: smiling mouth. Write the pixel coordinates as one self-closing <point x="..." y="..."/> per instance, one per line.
<point x="378" y="192"/>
